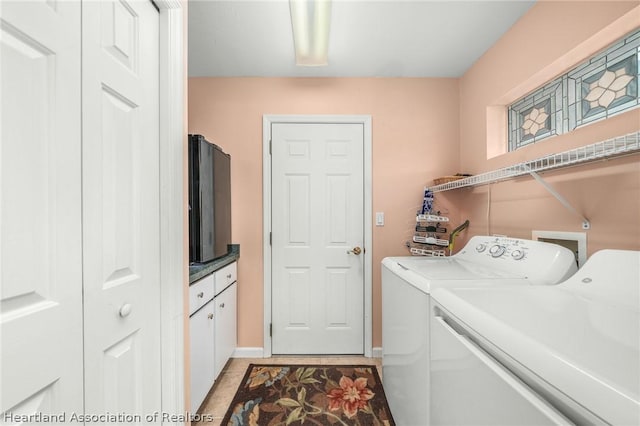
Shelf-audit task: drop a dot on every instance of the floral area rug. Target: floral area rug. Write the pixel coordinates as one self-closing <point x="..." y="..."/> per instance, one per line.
<point x="335" y="395"/>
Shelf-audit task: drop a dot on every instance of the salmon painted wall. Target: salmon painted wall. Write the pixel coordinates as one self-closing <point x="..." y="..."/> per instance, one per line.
<point x="414" y="138"/>
<point x="550" y="39"/>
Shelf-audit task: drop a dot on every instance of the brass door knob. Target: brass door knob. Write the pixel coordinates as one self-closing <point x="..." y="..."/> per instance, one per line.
<point x="355" y="250"/>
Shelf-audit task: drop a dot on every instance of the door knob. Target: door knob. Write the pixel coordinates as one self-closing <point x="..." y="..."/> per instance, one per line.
<point x="125" y="310"/>
<point x="355" y="250"/>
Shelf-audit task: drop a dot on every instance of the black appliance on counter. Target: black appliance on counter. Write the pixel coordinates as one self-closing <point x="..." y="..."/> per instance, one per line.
<point x="209" y="200"/>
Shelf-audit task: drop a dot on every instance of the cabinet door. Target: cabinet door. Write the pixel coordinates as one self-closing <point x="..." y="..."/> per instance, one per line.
<point x="225" y="335"/>
<point x="201" y="325"/>
<point x="200" y="293"/>
<point x="225" y="276"/>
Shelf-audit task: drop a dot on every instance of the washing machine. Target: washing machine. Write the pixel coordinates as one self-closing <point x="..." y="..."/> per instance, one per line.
<point x="565" y="354"/>
<point x="407" y="283"/>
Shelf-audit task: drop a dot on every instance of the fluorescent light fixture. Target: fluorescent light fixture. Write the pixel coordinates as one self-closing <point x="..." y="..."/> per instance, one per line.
<point x="310" y="23"/>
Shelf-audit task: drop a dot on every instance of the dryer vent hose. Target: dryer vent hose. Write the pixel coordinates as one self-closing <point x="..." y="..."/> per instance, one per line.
<point x="455" y="233"/>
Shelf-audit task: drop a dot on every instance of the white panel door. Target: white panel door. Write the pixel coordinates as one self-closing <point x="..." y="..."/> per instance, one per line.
<point x="317" y="221"/>
<point x="40" y="196"/>
<point x="121" y="206"/>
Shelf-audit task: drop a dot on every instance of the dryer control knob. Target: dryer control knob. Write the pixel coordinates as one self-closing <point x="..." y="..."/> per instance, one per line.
<point x="497" y="250"/>
<point x="517" y="254"/>
<point x="480" y="248"/>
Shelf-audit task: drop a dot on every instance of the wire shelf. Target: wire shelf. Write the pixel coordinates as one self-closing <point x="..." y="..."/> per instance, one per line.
<point x="622" y="145"/>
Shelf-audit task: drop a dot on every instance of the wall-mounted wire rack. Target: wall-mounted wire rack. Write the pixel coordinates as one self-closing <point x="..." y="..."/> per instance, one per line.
<point x="431" y="218"/>
<point x="425" y="252"/>
<point x="426" y="240"/>
<point x="622" y="145"/>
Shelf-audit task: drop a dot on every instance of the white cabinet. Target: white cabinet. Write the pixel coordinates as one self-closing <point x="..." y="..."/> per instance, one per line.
<point x="201" y="325"/>
<point x="225" y="326"/>
<point x="200" y="293"/>
<point x="225" y="276"/>
<point x="225" y="310"/>
<point x="212" y="326"/>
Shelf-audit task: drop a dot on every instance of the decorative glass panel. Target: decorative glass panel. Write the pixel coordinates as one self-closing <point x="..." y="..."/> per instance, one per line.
<point x="536" y="116"/>
<point x="596" y="89"/>
<point x="612" y="84"/>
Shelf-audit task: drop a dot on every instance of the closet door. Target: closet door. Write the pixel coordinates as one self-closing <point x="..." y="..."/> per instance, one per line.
<point x="121" y="249"/>
<point x="40" y="204"/>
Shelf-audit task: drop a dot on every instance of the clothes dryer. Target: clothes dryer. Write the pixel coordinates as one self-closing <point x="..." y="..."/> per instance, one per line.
<point x="407" y="283"/>
<point x="574" y="347"/>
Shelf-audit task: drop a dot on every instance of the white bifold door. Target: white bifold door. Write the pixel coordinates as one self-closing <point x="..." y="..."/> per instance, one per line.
<point x="317" y="238"/>
<point x="79" y="212"/>
<point x="120" y="147"/>
<point x="40" y="209"/>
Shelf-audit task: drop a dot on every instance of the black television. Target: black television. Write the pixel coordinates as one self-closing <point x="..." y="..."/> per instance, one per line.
<point x="209" y="200"/>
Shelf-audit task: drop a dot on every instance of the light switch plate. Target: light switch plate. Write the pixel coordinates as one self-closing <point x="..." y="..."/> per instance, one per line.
<point x="379" y="218"/>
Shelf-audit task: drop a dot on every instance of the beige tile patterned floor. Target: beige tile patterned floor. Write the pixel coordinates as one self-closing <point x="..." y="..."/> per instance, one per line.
<point x="219" y="399"/>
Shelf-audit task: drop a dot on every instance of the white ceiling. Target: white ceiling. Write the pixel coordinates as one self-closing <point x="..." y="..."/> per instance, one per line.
<point x="393" y="38"/>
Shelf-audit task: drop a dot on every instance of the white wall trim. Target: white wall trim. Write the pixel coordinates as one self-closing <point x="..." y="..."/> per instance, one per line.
<point x="377" y="352"/>
<point x="171" y="206"/>
<point x="365" y="120"/>
<point x="248" y="352"/>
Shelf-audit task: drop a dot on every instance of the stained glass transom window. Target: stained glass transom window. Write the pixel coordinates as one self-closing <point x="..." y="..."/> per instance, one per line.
<point x="602" y="86"/>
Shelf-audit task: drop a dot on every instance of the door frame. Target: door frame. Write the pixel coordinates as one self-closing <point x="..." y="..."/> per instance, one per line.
<point x="173" y="276"/>
<point x="365" y="120"/>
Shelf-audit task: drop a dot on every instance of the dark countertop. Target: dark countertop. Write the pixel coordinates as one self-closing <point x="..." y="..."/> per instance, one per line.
<point x="199" y="270"/>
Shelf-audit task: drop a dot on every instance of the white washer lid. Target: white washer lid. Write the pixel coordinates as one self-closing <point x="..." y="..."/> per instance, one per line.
<point x="445" y="272"/>
<point x="451" y="268"/>
<point x="588" y="350"/>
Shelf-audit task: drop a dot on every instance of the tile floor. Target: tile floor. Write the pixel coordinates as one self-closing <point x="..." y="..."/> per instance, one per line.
<point x="217" y="403"/>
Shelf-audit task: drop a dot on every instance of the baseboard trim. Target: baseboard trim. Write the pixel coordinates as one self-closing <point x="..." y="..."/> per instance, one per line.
<point x="248" y="353"/>
<point x="258" y="352"/>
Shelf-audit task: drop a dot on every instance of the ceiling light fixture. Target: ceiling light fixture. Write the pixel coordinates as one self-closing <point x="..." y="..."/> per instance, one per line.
<point x="310" y="22"/>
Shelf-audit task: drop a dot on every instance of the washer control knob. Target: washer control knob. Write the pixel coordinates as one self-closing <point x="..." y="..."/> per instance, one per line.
<point x="497" y="250"/>
<point x="480" y="248"/>
<point x="517" y="254"/>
